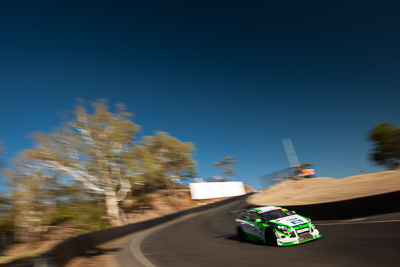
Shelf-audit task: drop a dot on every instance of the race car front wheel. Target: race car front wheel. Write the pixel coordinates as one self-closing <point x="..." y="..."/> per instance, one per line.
<point x="241" y="234"/>
<point x="270" y="237"/>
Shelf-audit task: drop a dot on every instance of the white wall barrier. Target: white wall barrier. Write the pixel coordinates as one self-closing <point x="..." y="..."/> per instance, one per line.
<point x="216" y="190"/>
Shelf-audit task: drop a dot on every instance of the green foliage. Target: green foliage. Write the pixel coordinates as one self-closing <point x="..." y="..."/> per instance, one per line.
<point x="386" y="139"/>
<point x="6" y="217"/>
<point x="91" y="218"/>
<point x="94" y="149"/>
<point x="91" y="147"/>
<point x="64" y="214"/>
<point x="33" y="197"/>
<point x="163" y="158"/>
<point x="87" y="216"/>
<point x="79" y="174"/>
<point x="226" y="164"/>
<point x="143" y="201"/>
<point x="79" y="209"/>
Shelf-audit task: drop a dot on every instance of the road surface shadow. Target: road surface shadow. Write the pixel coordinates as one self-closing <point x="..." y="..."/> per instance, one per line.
<point x="96" y="251"/>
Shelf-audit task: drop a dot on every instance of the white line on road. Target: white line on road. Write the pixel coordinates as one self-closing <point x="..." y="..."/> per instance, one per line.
<point x="386" y="221"/>
<point x="135" y="245"/>
<point x="136" y="251"/>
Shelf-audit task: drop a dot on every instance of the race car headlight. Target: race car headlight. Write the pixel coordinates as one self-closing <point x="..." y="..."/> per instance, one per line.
<point x="282" y="227"/>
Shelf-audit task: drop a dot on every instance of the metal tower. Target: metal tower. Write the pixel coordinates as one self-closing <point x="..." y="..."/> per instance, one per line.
<point x="290" y="153"/>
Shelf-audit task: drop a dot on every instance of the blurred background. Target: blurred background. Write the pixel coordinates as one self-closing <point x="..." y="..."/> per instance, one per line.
<point x="107" y="108"/>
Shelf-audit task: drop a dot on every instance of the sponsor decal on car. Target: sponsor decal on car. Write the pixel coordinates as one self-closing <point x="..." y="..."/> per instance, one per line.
<point x="298" y="221"/>
<point x="299" y="231"/>
<point x="252" y="229"/>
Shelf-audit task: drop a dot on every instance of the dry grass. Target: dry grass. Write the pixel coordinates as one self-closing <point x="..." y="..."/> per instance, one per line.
<point x="25" y="252"/>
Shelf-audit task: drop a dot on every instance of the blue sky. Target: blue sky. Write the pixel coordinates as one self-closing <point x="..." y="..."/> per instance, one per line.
<point x="234" y="77"/>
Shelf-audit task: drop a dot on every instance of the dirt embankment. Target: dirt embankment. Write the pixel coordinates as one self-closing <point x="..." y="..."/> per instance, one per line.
<point x="323" y="189"/>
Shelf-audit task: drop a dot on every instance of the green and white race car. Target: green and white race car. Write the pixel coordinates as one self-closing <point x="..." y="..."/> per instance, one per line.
<point x="275" y="226"/>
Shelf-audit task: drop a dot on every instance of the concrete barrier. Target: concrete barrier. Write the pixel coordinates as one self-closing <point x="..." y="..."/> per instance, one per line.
<point x="75" y="246"/>
<point x="351" y="208"/>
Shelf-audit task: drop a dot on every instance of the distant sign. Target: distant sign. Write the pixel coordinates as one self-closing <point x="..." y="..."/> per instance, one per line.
<point x="216" y="190"/>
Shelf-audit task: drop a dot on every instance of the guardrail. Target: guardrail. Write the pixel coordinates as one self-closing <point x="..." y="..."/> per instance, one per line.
<point x="75" y="246"/>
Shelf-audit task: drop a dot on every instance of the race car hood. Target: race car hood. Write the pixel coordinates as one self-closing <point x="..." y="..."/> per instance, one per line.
<point x="293" y="220"/>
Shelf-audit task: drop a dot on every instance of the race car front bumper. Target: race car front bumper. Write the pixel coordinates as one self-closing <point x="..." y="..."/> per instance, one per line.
<point x="297" y="238"/>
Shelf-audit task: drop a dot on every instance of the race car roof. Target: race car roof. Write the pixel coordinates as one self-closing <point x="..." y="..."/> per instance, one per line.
<point x="266" y="208"/>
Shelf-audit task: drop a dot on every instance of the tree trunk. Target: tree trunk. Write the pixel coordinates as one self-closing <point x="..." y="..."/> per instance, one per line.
<point x="113" y="210"/>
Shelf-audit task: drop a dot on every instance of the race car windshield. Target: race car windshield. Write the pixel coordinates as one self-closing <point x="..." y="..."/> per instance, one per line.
<point x="275" y="214"/>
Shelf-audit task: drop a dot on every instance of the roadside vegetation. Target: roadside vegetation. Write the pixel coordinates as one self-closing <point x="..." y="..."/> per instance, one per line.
<point x="226" y="164"/>
<point x="89" y="174"/>
<point x="386" y="141"/>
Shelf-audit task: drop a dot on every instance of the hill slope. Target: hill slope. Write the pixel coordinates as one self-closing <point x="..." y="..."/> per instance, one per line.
<point x="322" y="189"/>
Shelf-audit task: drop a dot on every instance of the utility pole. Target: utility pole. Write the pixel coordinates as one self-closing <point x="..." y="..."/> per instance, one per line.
<point x="290" y="153"/>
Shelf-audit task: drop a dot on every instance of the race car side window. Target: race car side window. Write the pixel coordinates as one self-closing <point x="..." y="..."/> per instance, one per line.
<point x="247" y="216"/>
<point x="241" y="215"/>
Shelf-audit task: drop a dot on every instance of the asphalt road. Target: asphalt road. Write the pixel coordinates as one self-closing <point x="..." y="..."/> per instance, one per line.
<point x="209" y="239"/>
